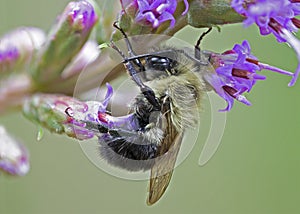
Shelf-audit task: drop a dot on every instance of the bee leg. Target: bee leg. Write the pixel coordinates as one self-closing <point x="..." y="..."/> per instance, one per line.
<point x="146" y="90"/>
<point x="197" y="46"/>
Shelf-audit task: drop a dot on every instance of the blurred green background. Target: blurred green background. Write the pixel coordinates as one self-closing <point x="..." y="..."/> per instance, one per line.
<point x="255" y="170"/>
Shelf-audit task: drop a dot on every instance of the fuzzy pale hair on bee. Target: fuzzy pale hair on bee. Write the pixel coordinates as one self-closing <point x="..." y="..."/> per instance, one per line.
<point x="183" y="86"/>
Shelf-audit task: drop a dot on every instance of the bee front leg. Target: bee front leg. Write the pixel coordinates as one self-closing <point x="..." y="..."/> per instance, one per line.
<point x="197" y="46"/>
<point x="146" y="90"/>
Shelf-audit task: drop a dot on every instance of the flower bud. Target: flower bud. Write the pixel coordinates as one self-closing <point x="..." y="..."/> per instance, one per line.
<point x="17" y="48"/>
<point x="14" y="157"/>
<point x="65" y="40"/>
<point x="53" y="112"/>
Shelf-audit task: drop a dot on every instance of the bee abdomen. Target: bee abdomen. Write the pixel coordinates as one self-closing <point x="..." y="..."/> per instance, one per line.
<point x="133" y="152"/>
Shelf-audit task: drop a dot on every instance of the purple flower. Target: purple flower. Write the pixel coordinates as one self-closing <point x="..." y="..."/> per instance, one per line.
<point x="266" y="12"/>
<point x="154" y="12"/>
<point x="77" y="119"/>
<point x="55" y="111"/>
<point x="97" y="113"/>
<point x="276" y="17"/>
<point x="236" y="73"/>
<point x="14" y="157"/>
<point x="79" y="114"/>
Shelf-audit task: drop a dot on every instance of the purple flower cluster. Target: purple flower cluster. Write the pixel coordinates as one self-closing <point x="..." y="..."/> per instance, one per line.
<point x="265" y="13"/>
<point x="154" y="12"/>
<point x="273" y="16"/>
<point x="99" y="115"/>
<point x="236" y="73"/>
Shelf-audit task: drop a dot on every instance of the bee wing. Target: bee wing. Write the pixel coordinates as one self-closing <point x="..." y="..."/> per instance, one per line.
<point x="162" y="170"/>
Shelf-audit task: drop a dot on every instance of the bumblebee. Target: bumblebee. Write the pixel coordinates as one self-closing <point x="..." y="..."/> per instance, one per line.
<point x="171" y="87"/>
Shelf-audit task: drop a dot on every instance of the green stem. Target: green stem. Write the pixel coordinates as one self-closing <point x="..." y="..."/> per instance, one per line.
<point x="208" y="13"/>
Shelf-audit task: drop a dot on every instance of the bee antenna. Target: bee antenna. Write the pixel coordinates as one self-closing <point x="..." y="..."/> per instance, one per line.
<point x="197" y="46"/>
<point x="115" y="25"/>
<point x="129" y="47"/>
